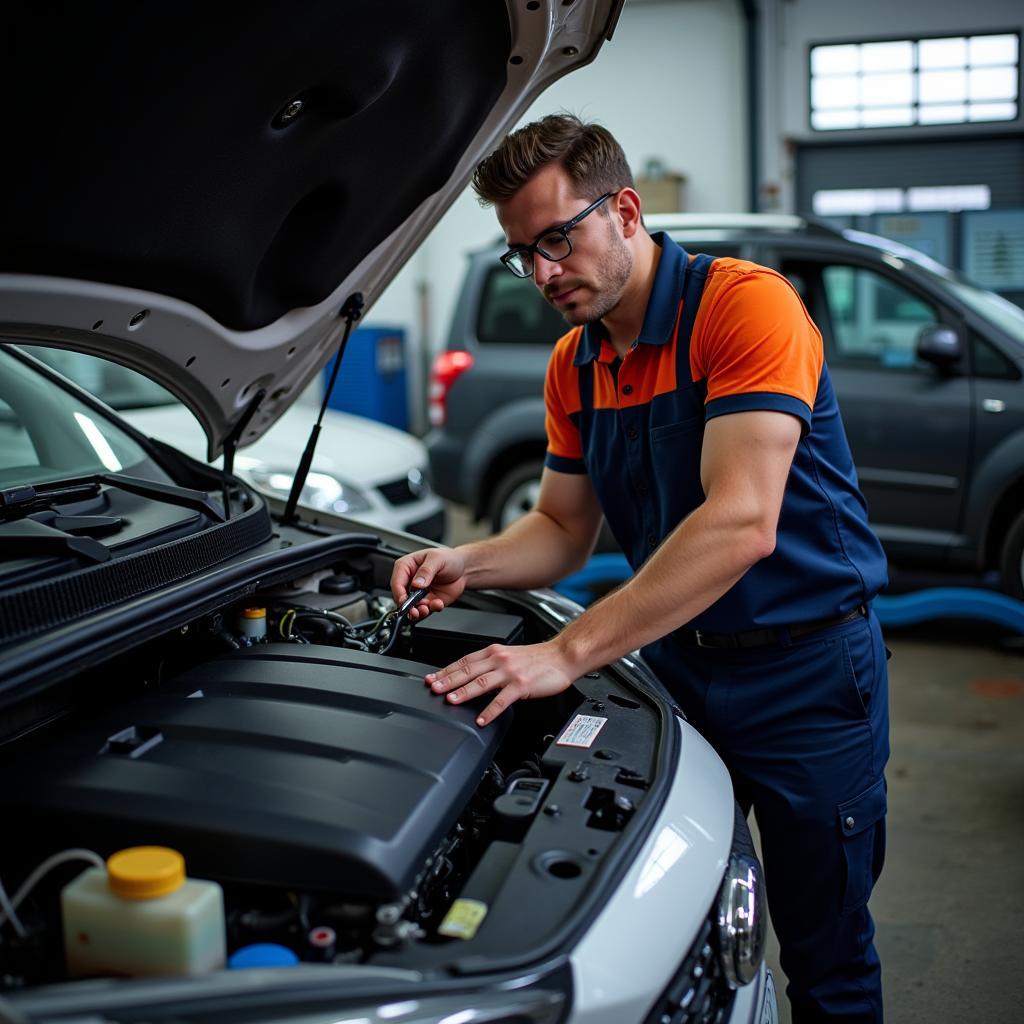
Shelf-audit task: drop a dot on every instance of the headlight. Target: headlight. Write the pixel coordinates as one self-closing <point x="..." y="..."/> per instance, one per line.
<point x="741" y="920"/>
<point x="323" y="492"/>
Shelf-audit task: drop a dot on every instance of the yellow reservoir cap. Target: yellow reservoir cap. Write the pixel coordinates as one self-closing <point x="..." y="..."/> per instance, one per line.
<point x="254" y="613"/>
<point x="145" y="872"/>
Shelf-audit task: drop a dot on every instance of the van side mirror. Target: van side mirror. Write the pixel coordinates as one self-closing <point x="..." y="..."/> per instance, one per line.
<point x="939" y="345"/>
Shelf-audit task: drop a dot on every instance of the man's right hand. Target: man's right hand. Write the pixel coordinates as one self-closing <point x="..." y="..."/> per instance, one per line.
<point x="441" y="570"/>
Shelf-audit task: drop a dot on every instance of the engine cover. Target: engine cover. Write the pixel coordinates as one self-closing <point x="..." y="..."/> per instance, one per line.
<point x="310" y="767"/>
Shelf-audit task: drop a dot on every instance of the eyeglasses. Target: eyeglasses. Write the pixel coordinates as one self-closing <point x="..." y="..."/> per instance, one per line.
<point x="553" y="245"/>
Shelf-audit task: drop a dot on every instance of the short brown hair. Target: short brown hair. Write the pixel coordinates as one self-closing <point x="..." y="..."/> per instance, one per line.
<point x="588" y="153"/>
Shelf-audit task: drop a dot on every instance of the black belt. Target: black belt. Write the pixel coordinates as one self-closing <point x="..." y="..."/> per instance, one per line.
<point x="767" y="637"/>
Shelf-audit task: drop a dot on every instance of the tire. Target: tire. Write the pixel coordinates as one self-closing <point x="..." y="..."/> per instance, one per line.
<point x="515" y="494"/>
<point x="1011" y="559"/>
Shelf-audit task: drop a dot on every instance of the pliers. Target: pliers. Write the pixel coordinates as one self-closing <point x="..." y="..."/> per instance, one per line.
<point x="382" y="637"/>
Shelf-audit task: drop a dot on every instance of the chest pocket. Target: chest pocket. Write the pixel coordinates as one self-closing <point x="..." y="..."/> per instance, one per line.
<point x="676" y="441"/>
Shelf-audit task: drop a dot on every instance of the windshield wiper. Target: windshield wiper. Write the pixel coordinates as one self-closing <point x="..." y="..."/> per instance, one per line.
<point x="28" y="537"/>
<point x="16" y="502"/>
<point x="186" y="497"/>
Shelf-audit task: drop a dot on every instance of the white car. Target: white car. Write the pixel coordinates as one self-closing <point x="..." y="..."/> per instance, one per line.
<point x="362" y="469"/>
<point x="227" y="794"/>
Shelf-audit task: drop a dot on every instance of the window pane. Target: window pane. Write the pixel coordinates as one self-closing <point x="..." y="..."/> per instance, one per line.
<point x="887" y="90"/>
<point x="835" y="92"/>
<point x="827" y="120"/>
<point x="992" y="84"/>
<point x="840" y="201"/>
<point x="898" y="56"/>
<point x="943" y="86"/>
<point x="875" y="321"/>
<point x="943" y="113"/>
<point x="17" y="453"/>
<point x="992" y="111"/>
<point x="513" y="312"/>
<point x="950" y="197"/>
<point x="877" y="117"/>
<point x="942" y="53"/>
<point x="835" y="60"/>
<point x="992" y="50"/>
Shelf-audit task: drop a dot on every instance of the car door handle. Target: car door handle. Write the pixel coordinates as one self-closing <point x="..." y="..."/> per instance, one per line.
<point x="993" y="405"/>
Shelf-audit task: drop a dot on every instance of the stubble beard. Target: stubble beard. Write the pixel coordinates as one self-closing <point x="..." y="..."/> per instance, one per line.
<point x="611" y="275"/>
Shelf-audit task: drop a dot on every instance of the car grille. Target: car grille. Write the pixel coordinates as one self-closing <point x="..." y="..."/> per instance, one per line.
<point x="698" y="993"/>
<point x="398" y="492"/>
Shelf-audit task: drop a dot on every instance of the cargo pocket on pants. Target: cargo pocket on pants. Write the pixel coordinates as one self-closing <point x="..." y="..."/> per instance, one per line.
<point x="862" y="828"/>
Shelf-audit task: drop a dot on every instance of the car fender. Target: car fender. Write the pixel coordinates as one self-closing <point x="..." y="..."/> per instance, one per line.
<point x="997" y="472"/>
<point x="516" y="423"/>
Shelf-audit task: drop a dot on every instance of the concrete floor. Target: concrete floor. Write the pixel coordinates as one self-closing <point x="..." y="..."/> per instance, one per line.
<point x="949" y="907"/>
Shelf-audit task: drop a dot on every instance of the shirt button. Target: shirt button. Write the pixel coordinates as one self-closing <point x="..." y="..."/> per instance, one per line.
<point x="632" y="434"/>
<point x="849" y="823"/>
<point x="652" y="540"/>
<point x="627" y="389"/>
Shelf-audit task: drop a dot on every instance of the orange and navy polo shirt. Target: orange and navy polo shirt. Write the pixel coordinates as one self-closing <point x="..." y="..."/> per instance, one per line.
<point x="719" y="336"/>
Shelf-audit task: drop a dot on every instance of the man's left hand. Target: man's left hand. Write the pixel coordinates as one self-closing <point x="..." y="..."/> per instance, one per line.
<point x="517" y="673"/>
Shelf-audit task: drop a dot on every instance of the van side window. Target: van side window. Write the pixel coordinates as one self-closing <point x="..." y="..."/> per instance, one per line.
<point x="875" y="320"/>
<point x="512" y="312"/>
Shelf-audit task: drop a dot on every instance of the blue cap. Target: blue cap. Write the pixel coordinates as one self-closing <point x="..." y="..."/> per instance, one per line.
<point x="262" y="954"/>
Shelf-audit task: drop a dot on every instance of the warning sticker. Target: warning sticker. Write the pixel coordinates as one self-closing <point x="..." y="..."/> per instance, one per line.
<point x="463" y="919"/>
<point x="581" y="731"/>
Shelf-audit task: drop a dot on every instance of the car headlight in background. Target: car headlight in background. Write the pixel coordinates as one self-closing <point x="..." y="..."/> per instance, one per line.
<point x="741" y="920"/>
<point x="323" y="492"/>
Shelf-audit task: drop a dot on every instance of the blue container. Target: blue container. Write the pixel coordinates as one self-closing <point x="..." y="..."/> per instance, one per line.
<point x="372" y="379"/>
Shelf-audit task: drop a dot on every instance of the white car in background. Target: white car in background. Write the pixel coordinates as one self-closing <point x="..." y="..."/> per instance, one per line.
<point x="362" y="469"/>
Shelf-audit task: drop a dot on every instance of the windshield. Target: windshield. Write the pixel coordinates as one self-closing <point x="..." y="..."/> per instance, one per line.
<point x="114" y="385"/>
<point x="48" y="434"/>
<point x="1003" y="313"/>
<point x="1006" y="315"/>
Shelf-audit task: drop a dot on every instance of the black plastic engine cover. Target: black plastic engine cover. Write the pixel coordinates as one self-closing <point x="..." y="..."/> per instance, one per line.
<point x="304" y="767"/>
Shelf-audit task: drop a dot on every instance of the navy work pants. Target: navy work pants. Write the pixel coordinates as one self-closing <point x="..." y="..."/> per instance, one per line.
<point x="804" y="730"/>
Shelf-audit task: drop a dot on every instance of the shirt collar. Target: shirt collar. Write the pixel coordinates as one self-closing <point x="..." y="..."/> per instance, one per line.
<point x="662" y="304"/>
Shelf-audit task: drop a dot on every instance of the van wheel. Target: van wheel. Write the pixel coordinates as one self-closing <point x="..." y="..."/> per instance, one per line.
<point x="1011" y="561"/>
<point x="515" y="494"/>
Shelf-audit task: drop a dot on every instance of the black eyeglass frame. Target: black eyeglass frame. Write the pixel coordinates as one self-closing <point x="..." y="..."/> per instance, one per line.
<point x="562" y="229"/>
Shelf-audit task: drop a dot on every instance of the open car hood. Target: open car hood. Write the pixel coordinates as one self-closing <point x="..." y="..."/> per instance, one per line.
<point x="194" y="190"/>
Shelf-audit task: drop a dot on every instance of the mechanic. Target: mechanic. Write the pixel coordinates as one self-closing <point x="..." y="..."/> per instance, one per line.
<point x="690" y="404"/>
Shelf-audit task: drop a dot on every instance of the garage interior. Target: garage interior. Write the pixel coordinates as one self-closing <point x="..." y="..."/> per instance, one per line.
<point x="901" y="123"/>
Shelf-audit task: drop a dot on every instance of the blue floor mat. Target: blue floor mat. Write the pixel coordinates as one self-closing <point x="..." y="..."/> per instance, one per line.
<point x="603" y="572"/>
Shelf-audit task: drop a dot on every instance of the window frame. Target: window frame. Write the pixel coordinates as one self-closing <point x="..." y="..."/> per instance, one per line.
<point x="916" y="125"/>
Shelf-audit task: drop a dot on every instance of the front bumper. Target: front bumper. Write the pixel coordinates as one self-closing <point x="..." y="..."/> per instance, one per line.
<point x="651" y="928"/>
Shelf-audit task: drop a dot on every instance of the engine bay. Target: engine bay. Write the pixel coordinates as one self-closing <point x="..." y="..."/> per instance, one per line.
<point x="348" y="814"/>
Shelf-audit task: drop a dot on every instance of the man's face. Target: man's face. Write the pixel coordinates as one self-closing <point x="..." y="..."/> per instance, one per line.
<point x="588" y="283"/>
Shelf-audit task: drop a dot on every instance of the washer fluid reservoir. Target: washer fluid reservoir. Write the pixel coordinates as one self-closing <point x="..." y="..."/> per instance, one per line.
<point x="142" y="916"/>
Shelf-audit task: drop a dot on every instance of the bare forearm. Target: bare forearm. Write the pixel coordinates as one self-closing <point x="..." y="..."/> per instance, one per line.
<point x="535" y="551"/>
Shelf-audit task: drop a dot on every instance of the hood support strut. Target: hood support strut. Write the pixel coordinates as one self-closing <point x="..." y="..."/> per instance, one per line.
<point x="352" y="310"/>
<point x="231" y="446"/>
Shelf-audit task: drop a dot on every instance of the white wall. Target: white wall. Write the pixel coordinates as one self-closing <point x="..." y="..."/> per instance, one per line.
<point x="670" y="84"/>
